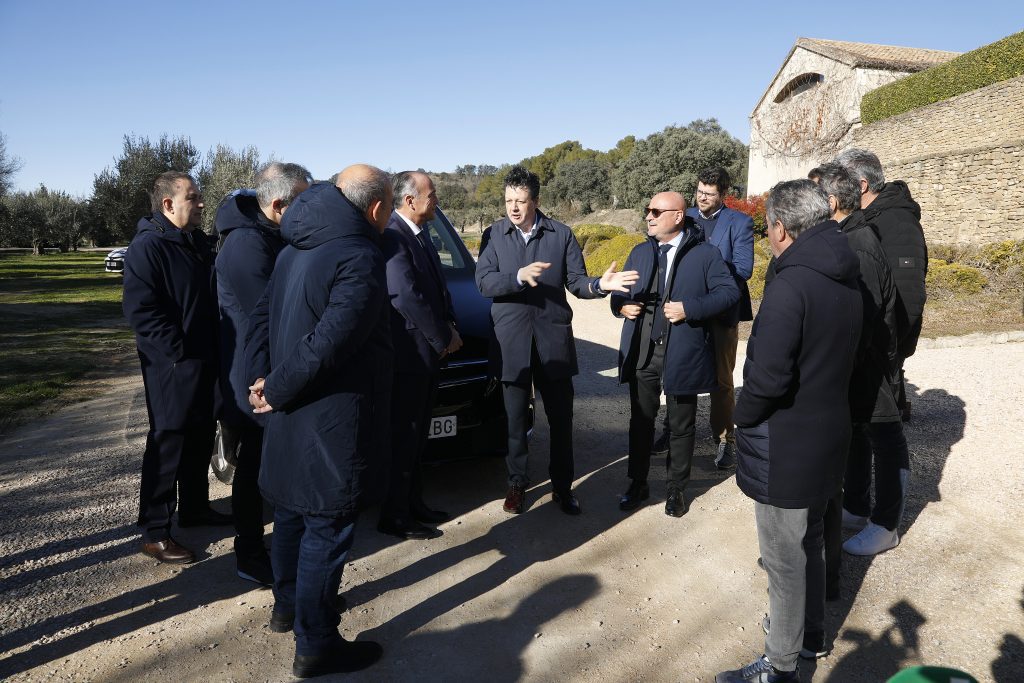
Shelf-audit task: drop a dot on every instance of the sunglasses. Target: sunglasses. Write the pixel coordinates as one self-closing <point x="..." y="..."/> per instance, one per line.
<point x="657" y="212"/>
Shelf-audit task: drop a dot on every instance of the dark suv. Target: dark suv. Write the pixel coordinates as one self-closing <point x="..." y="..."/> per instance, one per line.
<point x="469" y="414"/>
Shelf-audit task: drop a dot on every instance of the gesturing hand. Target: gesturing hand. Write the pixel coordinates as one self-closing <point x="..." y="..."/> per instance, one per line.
<point x="530" y="273"/>
<point x="618" y="282"/>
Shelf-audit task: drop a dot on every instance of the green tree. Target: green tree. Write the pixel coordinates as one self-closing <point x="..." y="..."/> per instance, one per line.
<point x="121" y="194"/>
<point x="452" y="196"/>
<point x="222" y="171"/>
<point x="63" y="216"/>
<point x="585" y="183"/>
<point x="26" y="222"/>
<point x="617" y="154"/>
<point x="547" y="162"/>
<point x="671" y="160"/>
<point x="9" y="166"/>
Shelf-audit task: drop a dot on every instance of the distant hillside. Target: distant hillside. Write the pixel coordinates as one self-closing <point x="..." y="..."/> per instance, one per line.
<point x="630" y="219"/>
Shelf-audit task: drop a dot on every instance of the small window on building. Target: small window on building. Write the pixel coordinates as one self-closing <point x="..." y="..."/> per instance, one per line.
<point x="798" y="85"/>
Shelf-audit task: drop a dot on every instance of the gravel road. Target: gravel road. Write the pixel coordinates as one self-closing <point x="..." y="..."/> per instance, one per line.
<point x="538" y="597"/>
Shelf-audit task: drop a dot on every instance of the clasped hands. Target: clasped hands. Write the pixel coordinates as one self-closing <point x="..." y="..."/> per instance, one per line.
<point x="674" y="311"/>
<point x="257" y="399"/>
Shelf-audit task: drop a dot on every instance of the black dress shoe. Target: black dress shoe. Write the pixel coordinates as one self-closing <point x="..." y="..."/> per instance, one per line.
<point x="169" y="551"/>
<point x="515" y="500"/>
<point x="207" y="517"/>
<point x="421" y="513"/>
<point x="568" y="502"/>
<point x="409" y="530"/>
<point x="255" y="566"/>
<point x="637" y="492"/>
<point x="346" y="658"/>
<point x="675" y="504"/>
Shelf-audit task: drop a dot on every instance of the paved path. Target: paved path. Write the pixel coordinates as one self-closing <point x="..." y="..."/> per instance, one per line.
<point x="539" y="597"/>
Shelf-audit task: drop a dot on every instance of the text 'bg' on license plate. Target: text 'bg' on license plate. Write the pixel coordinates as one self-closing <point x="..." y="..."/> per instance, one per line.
<point x="440" y="427"/>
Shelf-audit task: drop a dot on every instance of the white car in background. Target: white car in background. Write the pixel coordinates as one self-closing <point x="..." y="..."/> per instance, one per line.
<point x="114" y="262"/>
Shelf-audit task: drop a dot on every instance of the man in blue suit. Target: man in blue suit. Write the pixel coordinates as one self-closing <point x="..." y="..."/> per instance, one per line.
<point x="683" y="285"/>
<point x="423" y="332"/>
<point x="733" y="233"/>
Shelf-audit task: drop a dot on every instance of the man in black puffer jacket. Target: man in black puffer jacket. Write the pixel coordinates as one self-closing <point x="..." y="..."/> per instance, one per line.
<point x="249" y="225"/>
<point x="897" y="220"/>
<point x="793" y="415"/>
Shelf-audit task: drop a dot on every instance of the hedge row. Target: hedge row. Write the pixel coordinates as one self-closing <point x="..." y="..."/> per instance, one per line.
<point x="614" y="249"/>
<point x="990" y="64"/>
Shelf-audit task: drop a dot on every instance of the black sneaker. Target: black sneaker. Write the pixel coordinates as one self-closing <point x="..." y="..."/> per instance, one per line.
<point x="814" y="642"/>
<point x="255" y="567"/>
<point x="343" y="658"/>
<point x="725" y="459"/>
<point x="758" y="671"/>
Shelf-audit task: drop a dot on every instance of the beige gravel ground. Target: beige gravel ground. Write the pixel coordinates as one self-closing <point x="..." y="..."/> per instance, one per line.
<point x="539" y="597"/>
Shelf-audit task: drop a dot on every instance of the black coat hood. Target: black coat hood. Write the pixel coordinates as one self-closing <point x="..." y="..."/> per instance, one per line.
<point x="824" y="249"/>
<point x="894" y="195"/>
<point x="322" y="213"/>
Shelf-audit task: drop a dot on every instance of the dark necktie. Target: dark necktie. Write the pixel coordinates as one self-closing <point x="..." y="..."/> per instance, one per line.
<point x="658" y="326"/>
<point x="435" y="263"/>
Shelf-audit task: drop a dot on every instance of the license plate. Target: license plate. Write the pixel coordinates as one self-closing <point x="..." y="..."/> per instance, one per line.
<point x="441" y="427"/>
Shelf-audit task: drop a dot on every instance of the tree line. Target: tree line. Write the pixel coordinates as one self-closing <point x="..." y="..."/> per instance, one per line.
<point x="575" y="181"/>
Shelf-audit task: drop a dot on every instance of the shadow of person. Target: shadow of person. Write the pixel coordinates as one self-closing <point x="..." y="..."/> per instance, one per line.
<point x="186" y="589"/>
<point x="518" y="542"/>
<point x="445" y="654"/>
<point x="876" y="659"/>
<point x="1009" y="665"/>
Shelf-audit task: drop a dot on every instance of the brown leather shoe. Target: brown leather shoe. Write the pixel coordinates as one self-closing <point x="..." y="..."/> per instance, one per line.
<point x="169" y="551"/>
<point x="515" y="500"/>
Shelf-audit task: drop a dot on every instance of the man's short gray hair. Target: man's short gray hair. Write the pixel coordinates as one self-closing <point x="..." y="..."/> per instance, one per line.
<point x="798" y="205"/>
<point x="864" y="164"/>
<point x="365" y="189"/>
<point x="838" y="182"/>
<point x="405" y="184"/>
<point x="282" y="181"/>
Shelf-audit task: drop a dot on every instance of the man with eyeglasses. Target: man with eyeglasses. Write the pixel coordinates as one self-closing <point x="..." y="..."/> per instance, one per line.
<point x="683" y="284"/>
<point x="733" y="233"/>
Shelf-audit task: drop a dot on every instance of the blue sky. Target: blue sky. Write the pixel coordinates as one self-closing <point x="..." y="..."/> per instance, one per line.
<point x="407" y="85"/>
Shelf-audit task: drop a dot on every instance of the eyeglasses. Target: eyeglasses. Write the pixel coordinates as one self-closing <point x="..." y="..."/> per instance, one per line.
<point x="708" y="195"/>
<point x="657" y="212"/>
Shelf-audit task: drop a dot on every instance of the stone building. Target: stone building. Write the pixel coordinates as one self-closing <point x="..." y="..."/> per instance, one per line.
<point x="811" y="107"/>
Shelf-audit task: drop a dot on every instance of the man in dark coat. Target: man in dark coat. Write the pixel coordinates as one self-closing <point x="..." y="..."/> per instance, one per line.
<point x="423" y="332"/>
<point x="526" y="263"/>
<point x="666" y="337"/>
<point x="249" y="225"/>
<point x="319" y="351"/>
<point x="733" y="233"/>
<point x="793" y="416"/>
<point x="170" y="304"/>
<point x="897" y="220"/>
<point x="874" y="387"/>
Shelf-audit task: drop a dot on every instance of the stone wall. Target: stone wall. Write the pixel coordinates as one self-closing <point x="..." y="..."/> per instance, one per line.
<point x="963" y="159"/>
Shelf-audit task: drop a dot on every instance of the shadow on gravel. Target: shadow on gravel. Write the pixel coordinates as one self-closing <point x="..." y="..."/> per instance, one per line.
<point x="937" y="425"/>
<point x="543" y="532"/>
<point x="190" y="588"/>
<point x="1009" y="665"/>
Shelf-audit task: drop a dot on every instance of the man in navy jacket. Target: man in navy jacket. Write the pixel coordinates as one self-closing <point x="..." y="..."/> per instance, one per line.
<point x="733" y="233"/>
<point x="319" y="350"/>
<point x="526" y="263"/>
<point x="170" y="304"/>
<point x="249" y="225"/>
<point x="423" y="332"/>
<point x="683" y="284"/>
<point x="793" y="417"/>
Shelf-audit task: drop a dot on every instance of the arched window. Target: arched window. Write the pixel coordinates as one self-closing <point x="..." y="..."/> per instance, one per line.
<point x="798" y="85"/>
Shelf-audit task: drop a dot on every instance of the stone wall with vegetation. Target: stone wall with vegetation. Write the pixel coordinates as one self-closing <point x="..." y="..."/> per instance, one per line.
<point x="963" y="159"/>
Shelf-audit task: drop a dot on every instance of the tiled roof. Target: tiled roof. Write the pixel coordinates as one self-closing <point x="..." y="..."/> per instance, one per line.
<point x="871" y="56"/>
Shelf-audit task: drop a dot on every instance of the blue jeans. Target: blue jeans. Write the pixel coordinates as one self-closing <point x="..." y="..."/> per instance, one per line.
<point x="308" y="555"/>
<point x="792" y="550"/>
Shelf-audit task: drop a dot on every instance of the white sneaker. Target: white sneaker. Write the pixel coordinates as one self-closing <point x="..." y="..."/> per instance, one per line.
<point x="872" y="540"/>
<point x="853" y="522"/>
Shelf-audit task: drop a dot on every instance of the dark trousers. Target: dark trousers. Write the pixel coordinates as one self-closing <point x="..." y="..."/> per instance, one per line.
<point x="246" y="499"/>
<point x="411" y="408"/>
<point x="308" y="556"/>
<point x="833" y="543"/>
<point x="681" y="414"/>
<point x="174" y="467"/>
<point x="557" y="395"/>
<point x="883" y="444"/>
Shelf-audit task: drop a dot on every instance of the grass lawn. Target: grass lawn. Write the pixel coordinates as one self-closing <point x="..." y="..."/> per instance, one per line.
<point x="60" y="321"/>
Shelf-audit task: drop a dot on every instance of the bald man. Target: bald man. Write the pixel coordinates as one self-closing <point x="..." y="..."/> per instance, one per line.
<point x="320" y="338"/>
<point x="666" y="341"/>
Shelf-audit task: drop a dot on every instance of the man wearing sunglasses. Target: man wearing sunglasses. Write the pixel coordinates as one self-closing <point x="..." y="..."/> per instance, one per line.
<point x="683" y="284"/>
<point x="732" y="233"/>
